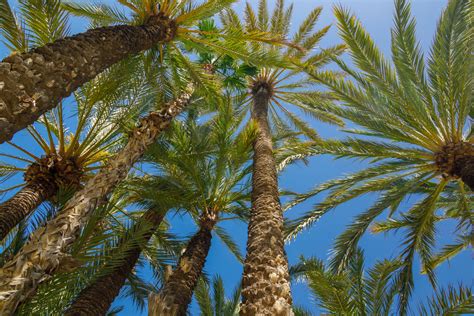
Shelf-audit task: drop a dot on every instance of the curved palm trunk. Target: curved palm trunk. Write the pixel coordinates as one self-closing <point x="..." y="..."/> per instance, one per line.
<point x="22" y="204"/>
<point x="95" y="300"/>
<point x="48" y="245"/>
<point x="34" y="82"/>
<point x="265" y="283"/>
<point x="177" y="292"/>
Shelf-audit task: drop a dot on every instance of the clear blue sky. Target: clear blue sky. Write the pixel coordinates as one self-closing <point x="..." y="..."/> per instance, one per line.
<point x="376" y="16"/>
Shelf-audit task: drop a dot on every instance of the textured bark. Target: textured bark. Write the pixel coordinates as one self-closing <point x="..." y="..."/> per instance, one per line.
<point x="265" y="283"/>
<point x="34" y="82"/>
<point x="465" y="169"/>
<point x="48" y="245"/>
<point x="455" y="160"/>
<point x="22" y="204"/>
<point x="95" y="299"/>
<point x="177" y="292"/>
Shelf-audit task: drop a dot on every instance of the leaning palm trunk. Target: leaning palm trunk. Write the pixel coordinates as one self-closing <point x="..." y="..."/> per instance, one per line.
<point x="48" y="246"/>
<point x="22" y="204"/>
<point x="34" y="82"/>
<point x="177" y="292"/>
<point x="265" y="284"/>
<point x="95" y="300"/>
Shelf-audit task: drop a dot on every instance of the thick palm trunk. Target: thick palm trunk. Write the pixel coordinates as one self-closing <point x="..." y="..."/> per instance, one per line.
<point x="22" y="204"/>
<point x="34" y="82"/>
<point x="265" y="284"/>
<point x="177" y="292"/>
<point x="95" y="300"/>
<point x="48" y="246"/>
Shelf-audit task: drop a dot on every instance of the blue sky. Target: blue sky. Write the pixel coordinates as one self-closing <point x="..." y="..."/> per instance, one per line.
<point x="376" y="16"/>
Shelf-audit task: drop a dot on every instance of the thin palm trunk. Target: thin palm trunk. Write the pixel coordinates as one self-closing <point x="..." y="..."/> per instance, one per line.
<point x="48" y="246"/>
<point x="265" y="284"/>
<point x="177" y="292"/>
<point x="22" y="204"/>
<point x="95" y="299"/>
<point x="34" y="82"/>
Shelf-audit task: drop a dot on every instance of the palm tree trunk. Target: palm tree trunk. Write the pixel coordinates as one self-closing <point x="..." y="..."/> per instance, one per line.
<point x="34" y="82"/>
<point x="95" y="299"/>
<point x="465" y="169"/>
<point x="48" y="245"/>
<point x="177" y="292"/>
<point x="265" y="283"/>
<point x="22" y="204"/>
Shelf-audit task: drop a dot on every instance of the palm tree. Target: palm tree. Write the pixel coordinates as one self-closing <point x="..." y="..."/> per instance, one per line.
<point x="67" y="158"/>
<point x="47" y="246"/>
<point x="415" y="129"/>
<point x="34" y="81"/>
<point x="265" y="284"/>
<point x="208" y="169"/>
<point x="215" y="303"/>
<point x="201" y="171"/>
<point x="372" y="292"/>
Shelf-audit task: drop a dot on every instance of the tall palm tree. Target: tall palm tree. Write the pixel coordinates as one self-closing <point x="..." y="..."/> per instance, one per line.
<point x="216" y="303"/>
<point x="416" y="118"/>
<point x="265" y="285"/>
<point x="356" y="291"/>
<point x="201" y="168"/>
<point x="208" y="168"/>
<point x="34" y="81"/>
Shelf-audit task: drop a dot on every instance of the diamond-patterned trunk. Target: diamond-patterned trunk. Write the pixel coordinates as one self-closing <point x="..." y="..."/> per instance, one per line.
<point x="177" y="292"/>
<point x="34" y="82"/>
<point x="265" y="283"/>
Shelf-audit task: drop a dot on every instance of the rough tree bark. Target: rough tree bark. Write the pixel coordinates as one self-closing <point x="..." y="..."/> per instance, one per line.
<point x="466" y="171"/>
<point x="34" y="82"/>
<point x="95" y="299"/>
<point x="177" y="292"/>
<point x="265" y="283"/>
<point x="48" y="245"/>
<point x="22" y="204"/>
<point x="43" y="180"/>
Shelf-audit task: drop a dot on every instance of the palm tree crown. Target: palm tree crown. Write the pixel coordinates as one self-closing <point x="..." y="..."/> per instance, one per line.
<point x="414" y="119"/>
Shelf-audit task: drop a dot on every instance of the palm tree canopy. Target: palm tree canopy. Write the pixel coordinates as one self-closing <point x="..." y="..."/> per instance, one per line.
<point x="413" y="126"/>
<point x="290" y="93"/>
<point x="370" y="291"/>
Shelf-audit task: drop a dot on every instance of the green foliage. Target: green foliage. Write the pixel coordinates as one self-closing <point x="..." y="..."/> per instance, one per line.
<point x="351" y="291"/>
<point x="292" y="94"/>
<point x="212" y="300"/>
<point x="404" y="118"/>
